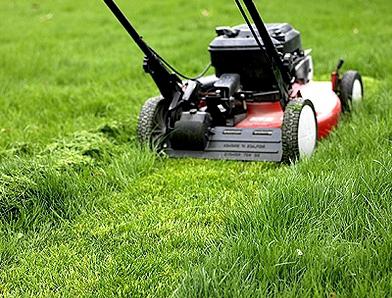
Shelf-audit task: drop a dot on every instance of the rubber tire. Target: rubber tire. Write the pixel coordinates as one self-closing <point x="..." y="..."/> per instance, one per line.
<point x="290" y="142"/>
<point x="346" y="89"/>
<point x="148" y="123"/>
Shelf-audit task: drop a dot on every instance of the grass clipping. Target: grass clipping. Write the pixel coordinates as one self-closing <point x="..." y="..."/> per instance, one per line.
<point x="49" y="180"/>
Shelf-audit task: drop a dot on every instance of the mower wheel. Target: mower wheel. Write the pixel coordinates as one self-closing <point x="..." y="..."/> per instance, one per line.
<point x="299" y="130"/>
<point x="151" y="127"/>
<point x="351" y="90"/>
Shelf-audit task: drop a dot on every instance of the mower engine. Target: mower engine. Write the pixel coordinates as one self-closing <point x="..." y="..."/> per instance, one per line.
<point x="235" y="50"/>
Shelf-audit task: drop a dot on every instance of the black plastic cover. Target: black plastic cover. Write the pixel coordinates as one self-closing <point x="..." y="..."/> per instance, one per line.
<point x="239" y="53"/>
<point x="285" y="38"/>
<point x="191" y="131"/>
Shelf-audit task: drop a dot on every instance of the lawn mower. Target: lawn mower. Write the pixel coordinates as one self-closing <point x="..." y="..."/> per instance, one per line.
<point x="262" y="104"/>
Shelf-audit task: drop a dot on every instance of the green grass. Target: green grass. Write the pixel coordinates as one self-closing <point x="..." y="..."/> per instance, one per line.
<point x="86" y="212"/>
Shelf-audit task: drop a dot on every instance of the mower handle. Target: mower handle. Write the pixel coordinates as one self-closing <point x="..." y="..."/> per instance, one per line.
<point x="129" y="28"/>
<point x="168" y="83"/>
<point x="281" y="72"/>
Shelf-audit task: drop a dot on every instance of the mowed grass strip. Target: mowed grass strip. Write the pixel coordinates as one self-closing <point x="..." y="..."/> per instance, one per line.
<point x="86" y="212"/>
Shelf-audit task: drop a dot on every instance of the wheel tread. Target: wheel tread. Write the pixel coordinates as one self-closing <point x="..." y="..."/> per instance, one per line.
<point x="346" y="89"/>
<point x="290" y="129"/>
<point x="146" y="121"/>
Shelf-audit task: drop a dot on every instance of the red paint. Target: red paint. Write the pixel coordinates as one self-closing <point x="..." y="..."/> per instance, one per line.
<point x="335" y="80"/>
<point x="296" y="90"/>
<point x="326" y="102"/>
<point x="263" y="115"/>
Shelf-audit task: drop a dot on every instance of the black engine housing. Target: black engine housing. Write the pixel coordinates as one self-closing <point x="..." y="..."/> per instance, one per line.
<point x="235" y="50"/>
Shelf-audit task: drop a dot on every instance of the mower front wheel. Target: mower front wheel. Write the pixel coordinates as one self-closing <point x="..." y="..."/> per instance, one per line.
<point x="151" y="127"/>
<point x="299" y="130"/>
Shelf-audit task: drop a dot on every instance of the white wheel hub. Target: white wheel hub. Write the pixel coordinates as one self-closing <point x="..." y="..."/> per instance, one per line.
<point x="307" y="132"/>
<point x="357" y="91"/>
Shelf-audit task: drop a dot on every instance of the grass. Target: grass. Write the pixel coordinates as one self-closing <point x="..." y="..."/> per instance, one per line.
<point x="86" y="212"/>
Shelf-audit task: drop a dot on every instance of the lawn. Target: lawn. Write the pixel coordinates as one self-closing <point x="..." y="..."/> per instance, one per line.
<point x="86" y="212"/>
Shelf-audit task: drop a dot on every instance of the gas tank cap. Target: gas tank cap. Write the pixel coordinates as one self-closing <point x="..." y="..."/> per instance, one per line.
<point x="227" y="31"/>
